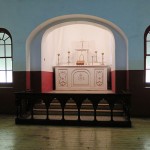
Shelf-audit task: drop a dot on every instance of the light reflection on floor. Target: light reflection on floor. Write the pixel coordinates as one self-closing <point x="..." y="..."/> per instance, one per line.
<point x="21" y="137"/>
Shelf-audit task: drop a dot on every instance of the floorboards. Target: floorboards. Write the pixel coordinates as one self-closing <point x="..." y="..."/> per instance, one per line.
<point x="35" y="137"/>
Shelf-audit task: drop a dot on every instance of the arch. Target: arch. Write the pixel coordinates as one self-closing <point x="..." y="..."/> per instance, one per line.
<point x="63" y="37"/>
<point x="33" y="44"/>
<point x="6" y="57"/>
<point x="146" y="56"/>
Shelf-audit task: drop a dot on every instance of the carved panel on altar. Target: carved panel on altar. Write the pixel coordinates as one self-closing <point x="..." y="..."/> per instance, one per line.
<point x="81" y="77"/>
<point x="99" y="77"/>
<point x="63" y="78"/>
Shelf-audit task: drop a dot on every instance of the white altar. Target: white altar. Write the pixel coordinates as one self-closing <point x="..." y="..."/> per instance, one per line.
<point x="82" y="70"/>
<point x="81" y="77"/>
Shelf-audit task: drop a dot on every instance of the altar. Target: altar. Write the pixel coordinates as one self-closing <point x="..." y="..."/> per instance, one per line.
<point x="81" y="69"/>
<point x="81" y="77"/>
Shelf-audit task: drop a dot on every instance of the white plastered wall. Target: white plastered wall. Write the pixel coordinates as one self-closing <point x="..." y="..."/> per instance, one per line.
<point x="34" y="52"/>
<point x="66" y="36"/>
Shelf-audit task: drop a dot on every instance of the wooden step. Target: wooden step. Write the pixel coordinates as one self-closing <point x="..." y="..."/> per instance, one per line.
<point x="89" y="112"/>
<point x="103" y="109"/>
<point x="73" y="106"/>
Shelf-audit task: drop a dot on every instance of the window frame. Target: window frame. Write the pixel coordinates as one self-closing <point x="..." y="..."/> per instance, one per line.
<point x="7" y="84"/>
<point x="147" y="31"/>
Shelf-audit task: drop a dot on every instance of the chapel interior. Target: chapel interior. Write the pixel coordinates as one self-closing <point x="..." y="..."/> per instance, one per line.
<point x="74" y="74"/>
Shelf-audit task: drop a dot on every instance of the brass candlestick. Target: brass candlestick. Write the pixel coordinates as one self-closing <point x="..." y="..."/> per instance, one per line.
<point x="92" y="60"/>
<point x="102" y="58"/>
<point x="68" y="57"/>
<point x="96" y="56"/>
<point x="58" y="58"/>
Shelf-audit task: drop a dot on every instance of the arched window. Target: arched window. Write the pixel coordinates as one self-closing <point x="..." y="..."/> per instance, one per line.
<point x="6" y="75"/>
<point x="147" y="55"/>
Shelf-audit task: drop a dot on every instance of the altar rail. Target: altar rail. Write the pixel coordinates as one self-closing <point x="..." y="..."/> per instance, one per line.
<point x="26" y="101"/>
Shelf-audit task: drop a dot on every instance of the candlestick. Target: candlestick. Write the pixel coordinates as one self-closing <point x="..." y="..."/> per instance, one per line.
<point x="58" y="58"/>
<point x="96" y="56"/>
<point x="68" y="57"/>
<point x="92" y="60"/>
<point x="102" y="58"/>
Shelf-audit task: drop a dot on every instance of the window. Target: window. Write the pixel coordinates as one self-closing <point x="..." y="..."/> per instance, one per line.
<point x="5" y="57"/>
<point x="147" y="57"/>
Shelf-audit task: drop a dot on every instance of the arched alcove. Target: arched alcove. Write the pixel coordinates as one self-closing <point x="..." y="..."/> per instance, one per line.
<point x="71" y="36"/>
<point x="39" y="66"/>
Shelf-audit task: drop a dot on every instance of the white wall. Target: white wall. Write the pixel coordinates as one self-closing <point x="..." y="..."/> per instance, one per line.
<point x="39" y="60"/>
<point x="67" y="36"/>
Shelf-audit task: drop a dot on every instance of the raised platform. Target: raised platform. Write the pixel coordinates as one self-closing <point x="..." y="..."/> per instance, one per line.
<point x="83" y="92"/>
<point x="82" y="108"/>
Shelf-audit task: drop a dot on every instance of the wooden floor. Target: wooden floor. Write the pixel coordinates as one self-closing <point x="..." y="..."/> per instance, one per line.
<point x="21" y="137"/>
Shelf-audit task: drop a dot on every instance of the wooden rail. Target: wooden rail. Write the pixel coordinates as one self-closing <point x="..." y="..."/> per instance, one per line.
<point x="25" y="102"/>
